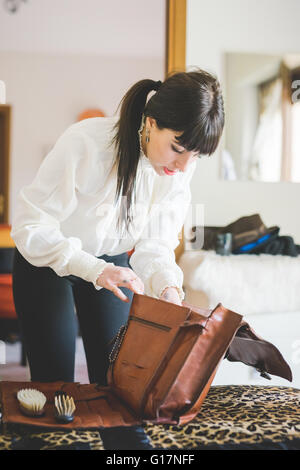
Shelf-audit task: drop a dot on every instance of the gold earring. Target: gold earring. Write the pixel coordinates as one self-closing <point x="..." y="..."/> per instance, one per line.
<point x="147" y="136"/>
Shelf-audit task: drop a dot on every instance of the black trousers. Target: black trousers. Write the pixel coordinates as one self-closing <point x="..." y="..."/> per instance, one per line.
<point x="45" y="304"/>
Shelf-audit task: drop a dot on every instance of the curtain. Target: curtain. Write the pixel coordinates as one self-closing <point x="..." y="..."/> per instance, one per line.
<point x="265" y="162"/>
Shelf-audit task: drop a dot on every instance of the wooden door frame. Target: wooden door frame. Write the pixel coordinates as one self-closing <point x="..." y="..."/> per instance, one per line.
<point x="176" y="36"/>
<point x="5" y="119"/>
<point x="176" y="58"/>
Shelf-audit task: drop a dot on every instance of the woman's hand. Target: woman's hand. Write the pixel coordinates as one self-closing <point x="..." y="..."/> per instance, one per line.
<point x="170" y="294"/>
<point x="114" y="276"/>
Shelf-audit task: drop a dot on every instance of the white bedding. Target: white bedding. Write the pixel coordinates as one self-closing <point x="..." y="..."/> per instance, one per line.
<point x="245" y="283"/>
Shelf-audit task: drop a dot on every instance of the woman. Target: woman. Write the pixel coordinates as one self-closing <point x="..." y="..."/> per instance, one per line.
<point x="106" y="188"/>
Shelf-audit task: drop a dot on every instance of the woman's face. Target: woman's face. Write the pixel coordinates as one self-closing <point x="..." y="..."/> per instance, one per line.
<point x="163" y="151"/>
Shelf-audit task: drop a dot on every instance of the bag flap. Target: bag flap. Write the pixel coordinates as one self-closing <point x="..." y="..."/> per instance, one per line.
<point x="252" y="350"/>
<point x="152" y="327"/>
<point x="158" y="311"/>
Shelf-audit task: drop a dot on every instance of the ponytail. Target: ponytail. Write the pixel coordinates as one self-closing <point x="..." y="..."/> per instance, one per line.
<point x="186" y="102"/>
<point x="127" y="144"/>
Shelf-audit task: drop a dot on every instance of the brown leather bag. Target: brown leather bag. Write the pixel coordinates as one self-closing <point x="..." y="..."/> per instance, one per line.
<point x="168" y="358"/>
<point x="169" y="355"/>
<point x="162" y="364"/>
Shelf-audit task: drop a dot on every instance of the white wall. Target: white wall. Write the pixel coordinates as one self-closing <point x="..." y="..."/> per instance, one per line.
<point x="131" y="28"/>
<point x="261" y="26"/>
<point x="59" y="57"/>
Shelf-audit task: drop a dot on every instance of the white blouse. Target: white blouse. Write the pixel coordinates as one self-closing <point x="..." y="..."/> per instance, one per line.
<point x="66" y="217"/>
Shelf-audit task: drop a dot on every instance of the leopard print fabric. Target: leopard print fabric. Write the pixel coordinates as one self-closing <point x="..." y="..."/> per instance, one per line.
<point x="229" y="415"/>
<point x="52" y="440"/>
<point x="236" y="414"/>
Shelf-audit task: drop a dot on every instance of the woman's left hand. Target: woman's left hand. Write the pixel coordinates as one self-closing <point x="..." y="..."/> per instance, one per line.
<point x="170" y="294"/>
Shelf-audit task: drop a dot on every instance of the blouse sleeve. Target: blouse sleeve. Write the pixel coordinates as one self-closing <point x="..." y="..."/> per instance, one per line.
<point x="45" y="203"/>
<point x="153" y="258"/>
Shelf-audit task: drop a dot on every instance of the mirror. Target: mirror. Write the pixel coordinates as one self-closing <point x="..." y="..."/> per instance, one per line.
<point x="262" y="106"/>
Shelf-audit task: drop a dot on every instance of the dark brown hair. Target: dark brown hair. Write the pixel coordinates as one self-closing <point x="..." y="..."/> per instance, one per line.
<point x="187" y="102"/>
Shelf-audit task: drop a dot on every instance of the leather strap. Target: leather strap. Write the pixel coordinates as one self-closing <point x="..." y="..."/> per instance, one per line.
<point x="159" y="368"/>
<point x="184" y="325"/>
<point x="185" y="418"/>
<point x="194" y="406"/>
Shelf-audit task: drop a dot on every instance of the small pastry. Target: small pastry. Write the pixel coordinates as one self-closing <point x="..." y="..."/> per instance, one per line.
<point x="64" y="407"/>
<point x="31" y="401"/>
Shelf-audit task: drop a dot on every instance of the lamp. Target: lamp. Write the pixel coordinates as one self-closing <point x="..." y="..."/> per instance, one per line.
<point x="12" y="6"/>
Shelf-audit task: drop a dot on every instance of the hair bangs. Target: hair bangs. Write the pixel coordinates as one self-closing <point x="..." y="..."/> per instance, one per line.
<point x="202" y="137"/>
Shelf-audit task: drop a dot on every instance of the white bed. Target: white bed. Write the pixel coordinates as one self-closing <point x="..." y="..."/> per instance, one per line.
<point x="265" y="289"/>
